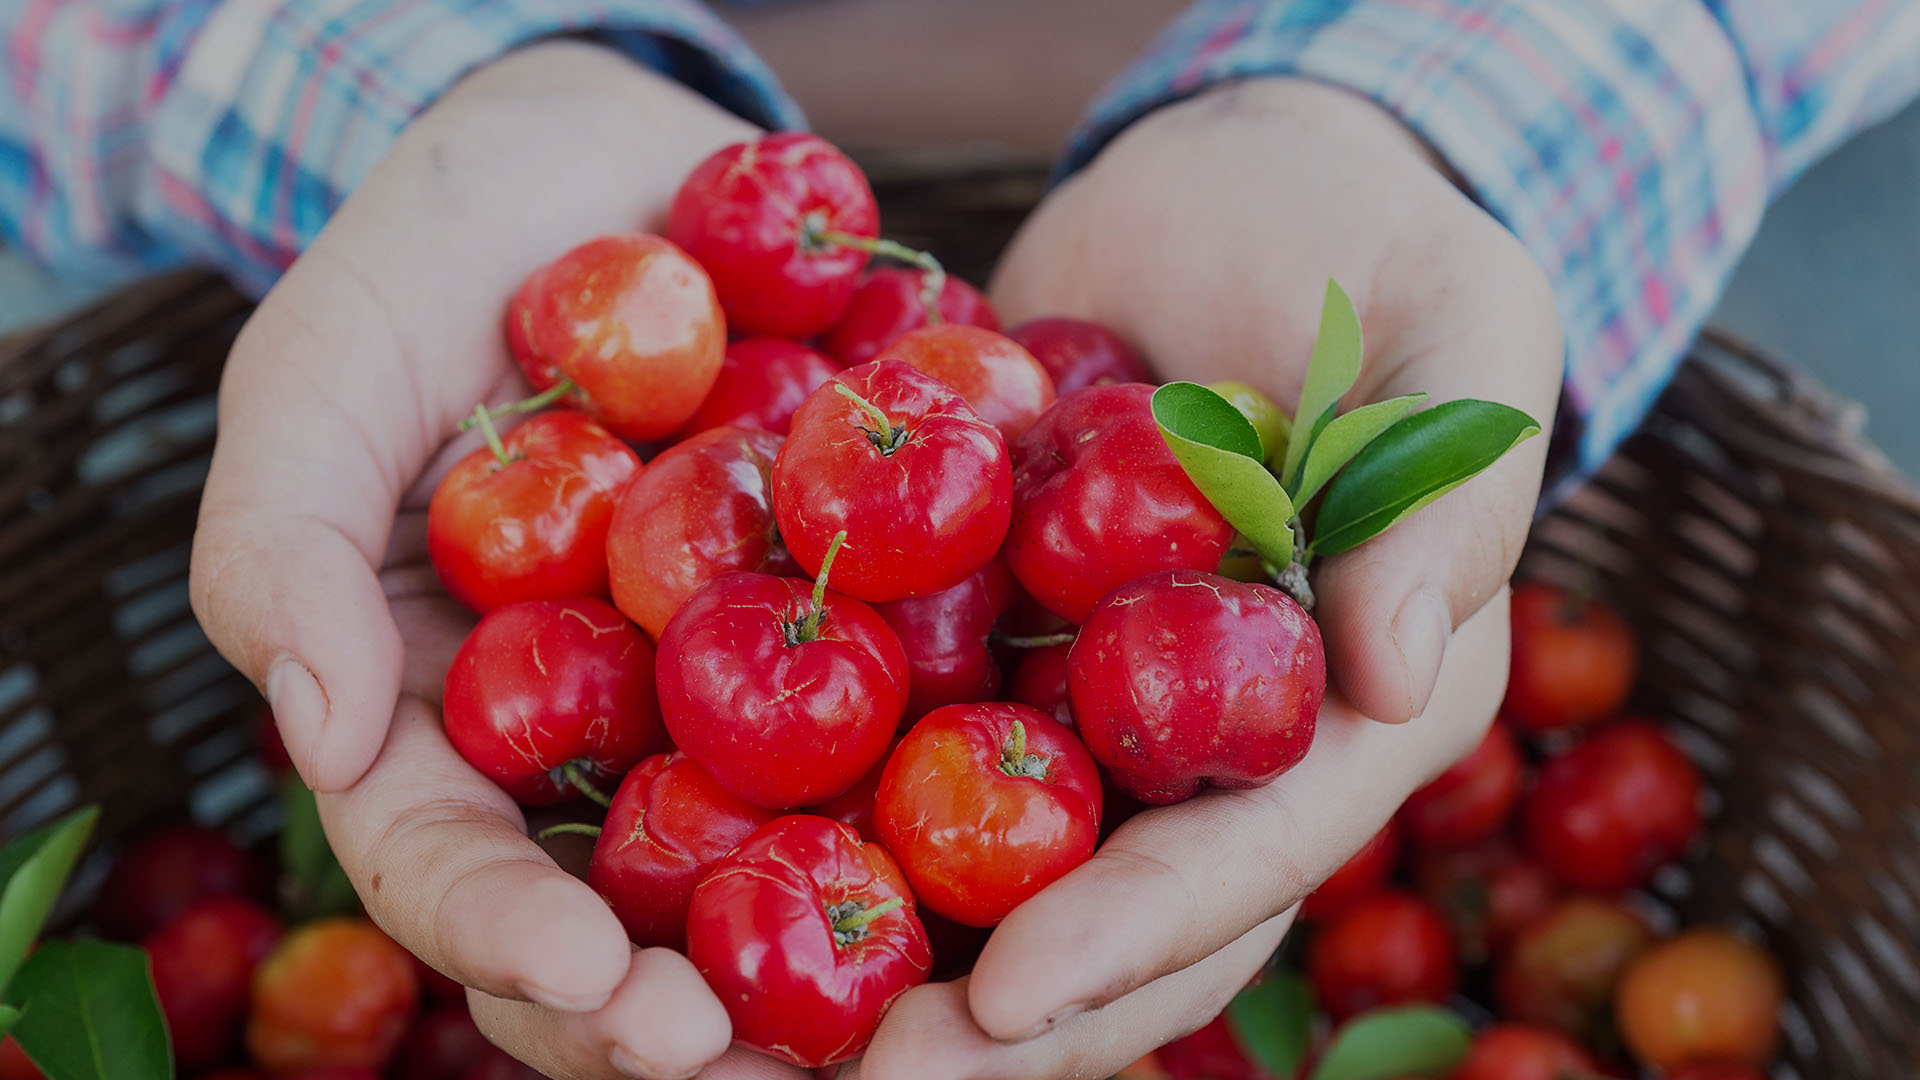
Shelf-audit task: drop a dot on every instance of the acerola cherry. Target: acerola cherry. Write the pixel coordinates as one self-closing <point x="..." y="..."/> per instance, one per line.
<point x="203" y="964"/>
<point x="1574" y="660"/>
<point x="1361" y="876"/>
<point x="1099" y="500"/>
<point x="631" y="323"/>
<point x="1001" y="380"/>
<point x="336" y="992"/>
<point x="1389" y="949"/>
<point x="985" y="805"/>
<point x="787" y="700"/>
<point x="1040" y="680"/>
<point x="669" y="825"/>
<point x="770" y="220"/>
<point x="529" y="521"/>
<point x="807" y="935"/>
<point x="1181" y="679"/>
<point x="1519" y="1052"/>
<point x="443" y="1045"/>
<point x="14" y="1063"/>
<point x="1487" y="892"/>
<point x="701" y="509"/>
<point x="762" y="380"/>
<point x="945" y="634"/>
<point x="1078" y="353"/>
<point x="550" y="696"/>
<point x="167" y="871"/>
<point x="894" y="458"/>
<point x="1473" y="799"/>
<point x="893" y="301"/>
<point x="1269" y="422"/>
<point x="1607" y="813"/>
<point x="1212" y="1053"/>
<point x="1702" y="996"/>
<point x="854" y="806"/>
<point x="1562" y="968"/>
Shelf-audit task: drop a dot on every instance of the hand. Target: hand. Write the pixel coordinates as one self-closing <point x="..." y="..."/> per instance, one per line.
<point x="1206" y="233"/>
<point x="338" y="411"/>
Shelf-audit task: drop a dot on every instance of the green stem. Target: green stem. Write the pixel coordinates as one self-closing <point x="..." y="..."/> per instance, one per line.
<point x="538" y="401"/>
<point x="567" y="828"/>
<point x="485" y="423"/>
<point x="1041" y="642"/>
<point x="884" y="436"/>
<point x="572" y="773"/>
<point x="1019" y="741"/>
<point x="810" y="629"/>
<point x="933" y="279"/>
<point x="860" y="920"/>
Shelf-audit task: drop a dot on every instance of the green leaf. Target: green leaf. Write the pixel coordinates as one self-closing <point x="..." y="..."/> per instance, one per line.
<point x="35" y="869"/>
<point x="1274" y="1021"/>
<point x="1337" y="351"/>
<point x="9" y="1016"/>
<point x="1413" y="463"/>
<point x="314" y="884"/>
<point x="1220" y="451"/>
<point x="91" y="1013"/>
<point x="1419" y="1040"/>
<point x="1346" y="436"/>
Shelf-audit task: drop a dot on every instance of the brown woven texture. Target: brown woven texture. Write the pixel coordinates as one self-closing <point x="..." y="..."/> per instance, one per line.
<point x="1769" y="559"/>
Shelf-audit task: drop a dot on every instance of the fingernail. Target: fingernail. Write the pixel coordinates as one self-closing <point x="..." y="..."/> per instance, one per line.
<point x="1421" y="631"/>
<point x="563" y="1002"/>
<point x="300" y="710"/>
<point x="1053" y="1020"/>
<point x="630" y="1064"/>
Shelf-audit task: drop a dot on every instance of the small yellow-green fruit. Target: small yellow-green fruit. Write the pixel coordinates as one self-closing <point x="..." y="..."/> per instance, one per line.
<point x="1269" y="422"/>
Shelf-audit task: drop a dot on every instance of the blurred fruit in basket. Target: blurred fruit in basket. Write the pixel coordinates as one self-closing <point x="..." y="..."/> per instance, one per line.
<point x="203" y="963"/>
<point x="1473" y="799"/>
<point x="1574" y="659"/>
<point x="1562" y="968"/>
<point x="443" y="1045"/>
<point x="336" y="992"/>
<point x="1518" y="1052"/>
<point x="1607" y="813"/>
<point x="1389" y="949"/>
<point x="1486" y="892"/>
<point x="1211" y="1053"/>
<point x="167" y="871"/>
<point x="1702" y="996"/>
<point x="1362" y="875"/>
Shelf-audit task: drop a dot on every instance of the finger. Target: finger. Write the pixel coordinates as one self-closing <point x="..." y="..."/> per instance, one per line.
<point x="1175" y="884"/>
<point x="441" y="859"/>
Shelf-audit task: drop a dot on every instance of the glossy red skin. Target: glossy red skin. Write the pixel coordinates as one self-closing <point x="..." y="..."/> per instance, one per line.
<point x="670" y="824"/>
<point x="1573" y="662"/>
<point x="1486" y="892"/>
<point x="742" y="212"/>
<point x="925" y="517"/>
<point x="892" y="301"/>
<point x="1389" y="949"/>
<point x="335" y="992"/>
<point x="1040" y="680"/>
<point x="541" y="684"/>
<point x="1561" y="969"/>
<point x="1212" y="1053"/>
<point x="854" y="806"/>
<point x="762" y="381"/>
<point x="974" y="840"/>
<point x="1519" y="1052"/>
<point x="535" y="529"/>
<point x="632" y="321"/>
<point x="1079" y="353"/>
<point x="1716" y="1070"/>
<point x="1183" y="679"/>
<point x="944" y="634"/>
<point x="1001" y="380"/>
<point x="760" y="934"/>
<point x="443" y="1044"/>
<point x="1361" y="876"/>
<point x="1098" y="501"/>
<point x="780" y="725"/>
<point x="1607" y="813"/>
<point x="14" y="1064"/>
<point x="202" y="964"/>
<point x="1473" y="799"/>
<point x="166" y="872"/>
<point x="701" y="509"/>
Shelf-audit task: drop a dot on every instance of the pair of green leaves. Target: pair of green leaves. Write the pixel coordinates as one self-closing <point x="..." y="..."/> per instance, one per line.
<point x="1273" y="1023"/>
<point x="1377" y="464"/>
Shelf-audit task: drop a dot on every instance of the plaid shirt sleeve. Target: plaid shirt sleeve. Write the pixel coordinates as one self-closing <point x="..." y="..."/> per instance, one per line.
<point x="135" y="134"/>
<point x="1631" y="145"/>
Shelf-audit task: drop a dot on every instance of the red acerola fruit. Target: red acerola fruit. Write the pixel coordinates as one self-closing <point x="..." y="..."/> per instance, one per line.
<point x="333" y="993"/>
<point x="632" y="322"/>
<point x="944" y="634"/>
<point x="203" y="964"/>
<point x="1040" y="680"/>
<point x="762" y="381"/>
<point x="917" y="480"/>
<point x="1473" y="799"/>
<point x="855" y="805"/>
<point x="1561" y="969"/>
<point x="1182" y="679"/>
<point x="443" y="1045"/>
<point x="1519" y="1052"/>
<point x="985" y="805"/>
<point x="1099" y="500"/>
<point x="166" y="872"/>
<point x="787" y="699"/>
<point x="1607" y="813"/>
<point x="545" y="695"/>
<point x="1212" y="1053"/>
<point x="760" y="216"/>
<point x="893" y="301"/>
<point x="1704" y="995"/>
<point x="1389" y="949"/>
<point x="14" y="1063"/>
<point x="1362" y="875"/>
<point x="669" y="825"/>
<point x="1574" y="660"/>
<point x="535" y="526"/>
<point x="1486" y="892"/>
<point x="1001" y="380"/>
<point x="1078" y="353"/>
<point x="807" y="935"/>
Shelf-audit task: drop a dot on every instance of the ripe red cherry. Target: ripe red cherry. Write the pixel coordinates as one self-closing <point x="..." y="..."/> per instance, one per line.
<point x="533" y="527"/>
<point x="1607" y="813"/>
<point x="167" y="871"/>
<point x="203" y="965"/>
<point x="632" y="322"/>
<point x="547" y="695"/>
<point x="761" y="216"/>
<point x="1098" y="500"/>
<point x="807" y="935"/>
<point x="762" y="380"/>
<point x="701" y="509"/>
<point x="915" y="478"/>
<point x="1561" y="969"/>
<point x="786" y="699"/>
<point x="1182" y="679"/>
<point x="1040" y="680"/>
<point x="893" y="301"/>
<point x="1001" y="380"/>
<point x="1487" y="892"/>
<point x="1389" y="949"/>
<point x="1519" y="1052"/>
<point x="1078" y="353"/>
<point x="985" y="805"/>
<point x="1574" y="661"/>
<point x="1361" y="876"/>
<point x="945" y="634"/>
<point x="1473" y="799"/>
<point x="669" y="825"/>
<point x="854" y="806"/>
<point x="1212" y="1053"/>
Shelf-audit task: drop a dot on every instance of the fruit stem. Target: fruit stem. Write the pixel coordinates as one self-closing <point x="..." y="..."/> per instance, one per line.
<point x="574" y="775"/>
<point x="1041" y="642"/>
<point x="859" y="920"/>
<point x="883" y="437"/>
<point x="566" y="828"/>
<point x="540" y="400"/>
<point x="810" y="629"/>
<point x="1014" y="759"/>
<point x="1292" y="578"/>
<point x="933" y="279"/>
<point x="485" y="423"/>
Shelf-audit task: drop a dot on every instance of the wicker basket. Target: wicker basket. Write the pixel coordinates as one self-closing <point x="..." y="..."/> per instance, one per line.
<point x="1769" y="558"/>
